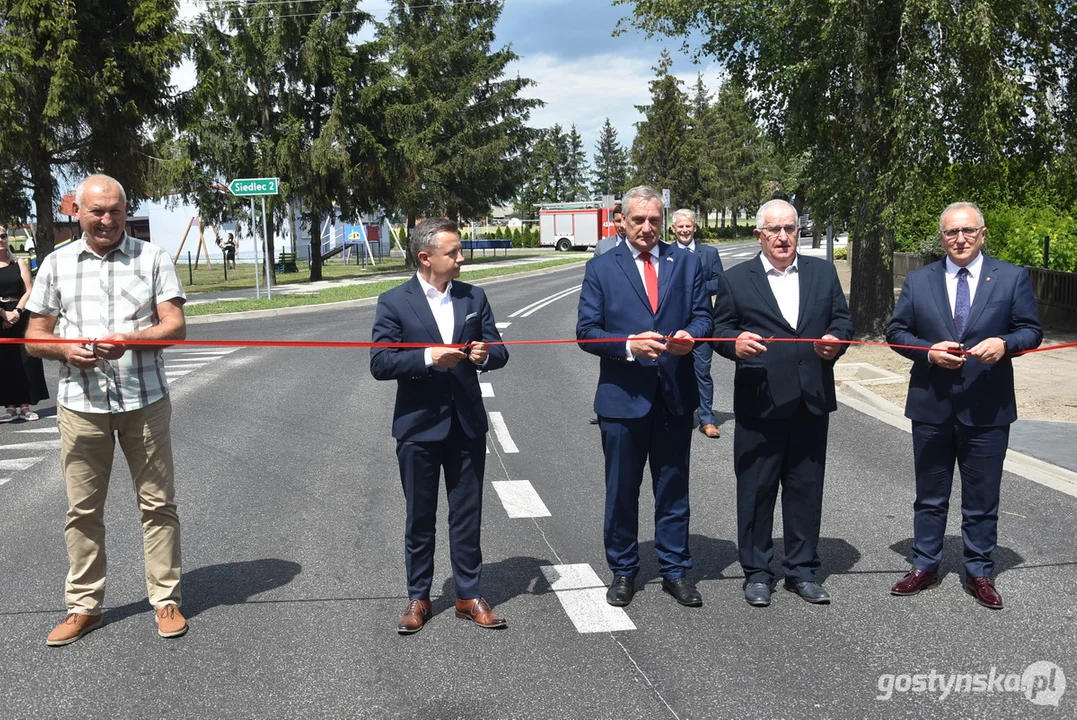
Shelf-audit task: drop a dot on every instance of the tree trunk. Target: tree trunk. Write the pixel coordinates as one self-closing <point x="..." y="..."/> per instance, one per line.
<point x="409" y="261"/>
<point x="872" y="243"/>
<point x="44" y="189"/>
<point x="293" y="227"/>
<point x="315" y="247"/>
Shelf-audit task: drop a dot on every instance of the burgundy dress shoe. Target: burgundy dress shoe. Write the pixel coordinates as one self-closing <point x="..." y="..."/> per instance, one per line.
<point x="983" y="589"/>
<point x="915" y="581"/>
<point x="480" y="613"/>
<point x="414" y="617"/>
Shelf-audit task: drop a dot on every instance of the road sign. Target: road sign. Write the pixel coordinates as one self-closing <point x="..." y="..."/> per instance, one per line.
<point x="244" y="187"/>
<point x="665" y="196"/>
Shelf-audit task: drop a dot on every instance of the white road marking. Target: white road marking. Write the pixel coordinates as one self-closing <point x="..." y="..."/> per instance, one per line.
<point x="501" y="432"/>
<point x="520" y="499"/>
<point x="4" y="481"/>
<point x="583" y="596"/>
<point x="37" y="445"/>
<point x="487" y="389"/>
<point x="19" y="464"/>
<point x="539" y="304"/>
<point x="177" y="373"/>
<point x="52" y="430"/>
<point x="502" y="325"/>
<point x="210" y="351"/>
<point x="188" y="362"/>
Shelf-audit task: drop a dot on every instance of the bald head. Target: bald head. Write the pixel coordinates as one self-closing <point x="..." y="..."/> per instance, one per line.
<point x="99" y="181"/>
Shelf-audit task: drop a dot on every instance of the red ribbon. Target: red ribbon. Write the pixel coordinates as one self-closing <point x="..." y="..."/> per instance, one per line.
<point x="414" y="345"/>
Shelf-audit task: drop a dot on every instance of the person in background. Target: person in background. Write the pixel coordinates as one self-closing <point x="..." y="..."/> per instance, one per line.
<point x="685" y="228"/>
<point x="228" y="246"/>
<point x="22" y="378"/>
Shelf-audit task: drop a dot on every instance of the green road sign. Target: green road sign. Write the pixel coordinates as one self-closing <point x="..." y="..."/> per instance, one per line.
<point x="244" y="187"/>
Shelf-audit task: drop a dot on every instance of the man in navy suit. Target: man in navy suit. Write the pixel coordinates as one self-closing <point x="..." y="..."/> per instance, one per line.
<point x="644" y="302"/>
<point x="684" y="229"/>
<point x="961" y="403"/>
<point x="783" y="394"/>
<point x="439" y="421"/>
<point x="608" y="243"/>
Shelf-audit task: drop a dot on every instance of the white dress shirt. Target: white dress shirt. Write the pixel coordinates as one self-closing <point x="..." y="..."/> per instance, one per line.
<point x="441" y="306"/>
<point x="951" y="280"/>
<point x="639" y="268"/>
<point x="786" y="288"/>
<point x="690" y="246"/>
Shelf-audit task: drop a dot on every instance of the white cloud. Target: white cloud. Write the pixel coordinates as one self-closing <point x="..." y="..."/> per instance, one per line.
<point x="586" y="91"/>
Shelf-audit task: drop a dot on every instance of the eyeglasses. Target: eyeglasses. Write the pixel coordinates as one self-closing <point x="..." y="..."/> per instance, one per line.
<point x="3" y="236"/>
<point x="952" y="233"/>
<point x="776" y="230"/>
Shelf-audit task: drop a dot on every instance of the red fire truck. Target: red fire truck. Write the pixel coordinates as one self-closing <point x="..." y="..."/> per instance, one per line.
<point x="575" y="224"/>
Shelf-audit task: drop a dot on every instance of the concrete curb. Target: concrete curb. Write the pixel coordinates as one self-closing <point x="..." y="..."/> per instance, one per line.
<point x="359" y="302"/>
<point x="864" y="400"/>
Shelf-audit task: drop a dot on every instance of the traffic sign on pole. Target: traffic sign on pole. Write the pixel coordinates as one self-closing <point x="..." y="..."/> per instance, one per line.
<point x="244" y="187"/>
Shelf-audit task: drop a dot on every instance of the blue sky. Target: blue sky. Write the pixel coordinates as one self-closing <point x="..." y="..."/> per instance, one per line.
<point x="583" y="73"/>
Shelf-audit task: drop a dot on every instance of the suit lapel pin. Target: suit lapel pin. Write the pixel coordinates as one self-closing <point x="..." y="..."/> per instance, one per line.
<point x="669" y="258"/>
<point x="987" y="279"/>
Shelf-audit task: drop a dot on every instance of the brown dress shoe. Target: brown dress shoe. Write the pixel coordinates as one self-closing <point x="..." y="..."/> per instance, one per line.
<point x="915" y="581"/>
<point x="479" y="612"/>
<point x="170" y="622"/>
<point x="711" y="430"/>
<point x="414" y="617"/>
<point x="74" y="626"/>
<point x="983" y="589"/>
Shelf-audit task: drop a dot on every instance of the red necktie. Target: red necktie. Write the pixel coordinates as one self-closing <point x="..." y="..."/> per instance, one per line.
<point x="650" y="279"/>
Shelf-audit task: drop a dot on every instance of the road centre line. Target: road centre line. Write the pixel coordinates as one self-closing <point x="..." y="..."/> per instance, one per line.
<point x="551" y="301"/>
<point x="501" y="432"/>
<point x="502" y="325"/>
<point x="583" y="598"/>
<point x="538" y="304"/>
<point x="487" y="389"/>
<point x="520" y="499"/>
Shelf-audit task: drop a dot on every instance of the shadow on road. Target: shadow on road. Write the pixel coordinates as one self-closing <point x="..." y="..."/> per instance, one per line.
<point x="231" y="583"/>
<point x="953" y="550"/>
<point x="501" y="582"/>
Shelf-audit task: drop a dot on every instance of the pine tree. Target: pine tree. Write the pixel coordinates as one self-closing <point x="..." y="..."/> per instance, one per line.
<point x="457" y="123"/>
<point x="577" y="172"/>
<point x="610" y="163"/>
<point x="660" y="151"/>
<point x="702" y="147"/>
<point x="83" y="85"/>
<point x="283" y="91"/>
<point x="739" y="152"/>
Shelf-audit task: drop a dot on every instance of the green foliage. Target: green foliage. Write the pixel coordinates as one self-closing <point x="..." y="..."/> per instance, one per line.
<point x="1016" y="235"/>
<point x="611" y="164"/>
<point x="841" y="253"/>
<point x="457" y="124"/>
<point x="557" y="171"/>
<point x="662" y="151"/>
<point x="82" y="86"/>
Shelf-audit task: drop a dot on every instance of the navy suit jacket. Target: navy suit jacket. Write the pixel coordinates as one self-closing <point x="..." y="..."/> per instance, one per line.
<point x="976" y="394"/>
<point x="712" y="266"/>
<point x="613" y="304"/>
<point x="426" y="397"/>
<point x="772" y="384"/>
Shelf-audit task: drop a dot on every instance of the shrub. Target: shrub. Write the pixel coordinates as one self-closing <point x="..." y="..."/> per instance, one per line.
<point x="841" y="253"/>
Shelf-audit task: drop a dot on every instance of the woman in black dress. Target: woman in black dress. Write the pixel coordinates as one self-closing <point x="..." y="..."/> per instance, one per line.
<point x="22" y="379"/>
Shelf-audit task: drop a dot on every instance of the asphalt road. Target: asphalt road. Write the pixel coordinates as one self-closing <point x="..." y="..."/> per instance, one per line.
<point x="294" y="572"/>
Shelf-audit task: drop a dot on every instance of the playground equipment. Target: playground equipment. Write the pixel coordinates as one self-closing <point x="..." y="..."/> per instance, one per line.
<point x="197" y="222"/>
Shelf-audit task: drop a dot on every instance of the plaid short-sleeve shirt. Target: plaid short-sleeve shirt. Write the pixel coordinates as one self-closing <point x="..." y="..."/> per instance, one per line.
<point x="94" y="296"/>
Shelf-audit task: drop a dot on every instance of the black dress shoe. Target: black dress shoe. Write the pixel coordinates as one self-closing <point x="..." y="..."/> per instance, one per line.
<point x="621" y="591"/>
<point x="594" y="420"/>
<point x="810" y="591"/>
<point x="757" y="594"/>
<point x="683" y="591"/>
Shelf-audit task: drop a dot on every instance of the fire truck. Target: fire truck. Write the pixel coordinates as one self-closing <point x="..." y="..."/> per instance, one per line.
<point x="575" y="224"/>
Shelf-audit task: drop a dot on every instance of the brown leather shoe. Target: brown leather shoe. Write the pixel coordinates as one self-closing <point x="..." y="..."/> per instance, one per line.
<point x="915" y="581"/>
<point x="74" y="626"/>
<point x="414" y="617"/>
<point x="983" y="589"/>
<point x="711" y="430"/>
<point x="170" y="622"/>
<point x="479" y="612"/>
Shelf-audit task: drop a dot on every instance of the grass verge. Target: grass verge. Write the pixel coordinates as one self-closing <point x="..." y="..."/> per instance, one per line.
<point x="356" y="292"/>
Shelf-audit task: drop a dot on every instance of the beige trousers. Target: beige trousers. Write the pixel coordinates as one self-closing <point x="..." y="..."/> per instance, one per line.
<point x="87" y="447"/>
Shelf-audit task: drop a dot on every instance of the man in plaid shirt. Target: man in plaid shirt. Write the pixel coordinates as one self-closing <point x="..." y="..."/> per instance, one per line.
<point x="114" y="291"/>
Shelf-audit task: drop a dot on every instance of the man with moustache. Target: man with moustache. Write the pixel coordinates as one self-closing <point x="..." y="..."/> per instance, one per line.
<point x="783" y="394"/>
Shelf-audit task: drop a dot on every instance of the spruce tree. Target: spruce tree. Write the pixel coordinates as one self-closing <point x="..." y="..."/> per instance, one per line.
<point x="610" y="163"/>
<point x="661" y="151"/>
